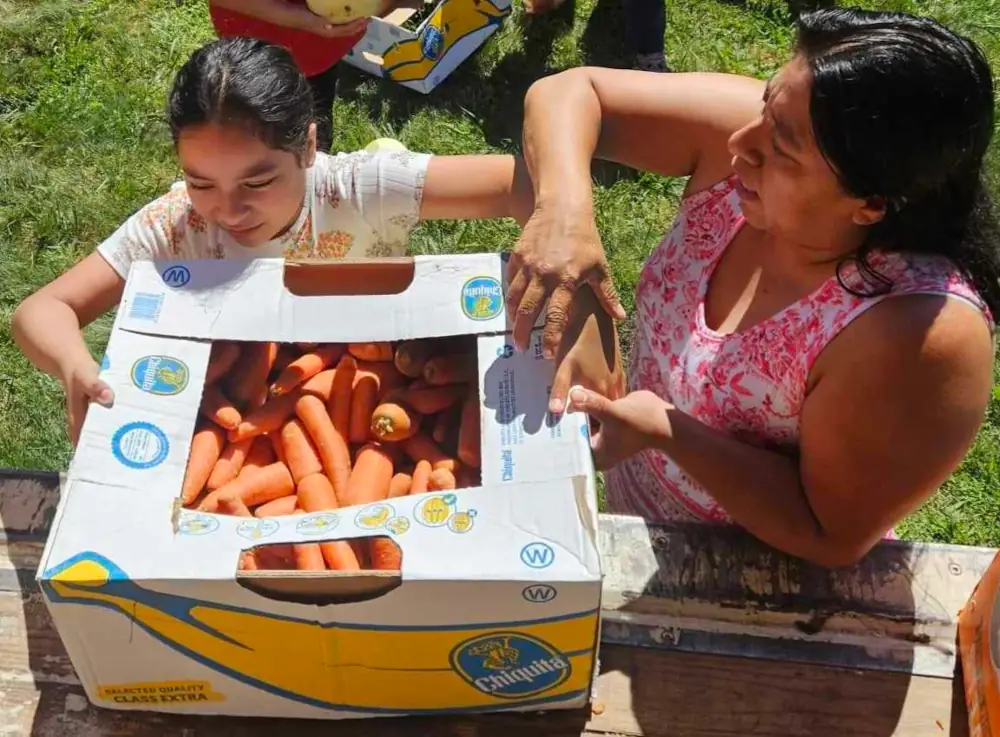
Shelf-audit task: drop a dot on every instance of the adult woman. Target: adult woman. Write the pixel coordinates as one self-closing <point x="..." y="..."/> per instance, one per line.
<point x="813" y="349"/>
<point x="254" y="185"/>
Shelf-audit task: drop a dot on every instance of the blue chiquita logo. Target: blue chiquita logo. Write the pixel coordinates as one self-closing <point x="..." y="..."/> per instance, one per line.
<point x="482" y="298"/>
<point x="510" y="665"/>
<point x="432" y="43"/>
<point x="160" y="375"/>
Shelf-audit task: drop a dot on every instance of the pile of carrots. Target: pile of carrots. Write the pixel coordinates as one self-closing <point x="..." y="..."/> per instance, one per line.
<point x="289" y="429"/>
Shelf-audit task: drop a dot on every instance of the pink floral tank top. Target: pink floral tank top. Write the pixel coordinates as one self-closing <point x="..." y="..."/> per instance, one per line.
<point x="750" y="384"/>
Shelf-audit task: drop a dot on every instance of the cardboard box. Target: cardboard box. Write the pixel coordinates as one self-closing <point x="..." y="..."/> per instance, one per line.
<point x="422" y="58"/>
<point x="498" y="603"/>
<point x="979" y="652"/>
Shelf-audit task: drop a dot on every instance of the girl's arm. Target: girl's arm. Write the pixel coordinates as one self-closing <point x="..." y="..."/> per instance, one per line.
<point x="477" y="188"/>
<point x="282" y="13"/>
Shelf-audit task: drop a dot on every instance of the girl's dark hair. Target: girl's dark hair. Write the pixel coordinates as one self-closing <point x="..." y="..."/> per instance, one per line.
<point x="244" y="82"/>
<point x="902" y="110"/>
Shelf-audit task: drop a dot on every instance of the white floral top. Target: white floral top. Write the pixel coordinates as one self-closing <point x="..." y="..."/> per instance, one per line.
<point x="357" y="204"/>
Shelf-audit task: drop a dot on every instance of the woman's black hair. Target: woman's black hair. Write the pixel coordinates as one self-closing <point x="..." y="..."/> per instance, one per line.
<point x="248" y="83"/>
<point x="902" y="110"/>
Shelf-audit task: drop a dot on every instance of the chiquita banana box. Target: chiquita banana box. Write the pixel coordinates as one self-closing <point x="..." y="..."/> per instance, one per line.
<point x="979" y="652"/>
<point x="422" y="58"/>
<point x="495" y="604"/>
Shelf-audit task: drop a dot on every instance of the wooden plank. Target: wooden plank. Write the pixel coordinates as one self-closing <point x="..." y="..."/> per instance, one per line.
<point x="717" y="590"/>
<point x="639" y="692"/>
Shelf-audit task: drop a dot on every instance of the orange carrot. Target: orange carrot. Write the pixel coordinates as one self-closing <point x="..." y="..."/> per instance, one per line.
<point x="305" y="367"/>
<point x="272" y="414"/>
<point x="385" y="554"/>
<point x="433" y="399"/>
<point x="286" y="354"/>
<point x="421" y="477"/>
<point x="370" y="477"/>
<point x="315" y="494"/>
<point x="260" y="454"/>
<point x="339" y="404"/>
<point x="400" y="485"/>
<point x="371" y="351"/>
<point x="279" y="450"/>
<point x="248" y="561"/>
<point x="269" y="483"/>
<point x="300" y="453"/>
<point x="277" y="507"/>
<point x="420" y="447"/>
<point x="330" y="444"/>
<point x="392" y="422"/>
<point x="252" y="370"/>
<point x="469" y="439"/>
<point x="306" y="347"/>
<point x="217" y="407"/>
<point x="442" y="427"/>
<point x="363" y="403"/>
<point x="441" y="479"/>
<point x="232" y="504"/>
<point x="206" y="447"/>
<point x="411" y="355"/>
<point x="308" y="556"/>
<point x="221" y="359"/>
<point x="456" y="368"/>
<point x="229" y="464"/>
<point x="278" y="557"/>
<point x="389" y="379"/>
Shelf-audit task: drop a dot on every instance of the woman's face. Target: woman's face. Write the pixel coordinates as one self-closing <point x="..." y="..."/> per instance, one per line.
<point x="237" y="182"/>
<point x="786" y="186"/>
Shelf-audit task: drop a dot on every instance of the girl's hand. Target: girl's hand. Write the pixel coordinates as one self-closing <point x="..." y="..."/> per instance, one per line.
<point x="628" y="425"/>
<point x="83" y="386"/>
<point x="306" y="20"/>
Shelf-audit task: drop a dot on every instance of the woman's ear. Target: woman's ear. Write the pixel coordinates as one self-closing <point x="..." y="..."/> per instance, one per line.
<point x="870" y="211"/>
<point x="310" y="157"/>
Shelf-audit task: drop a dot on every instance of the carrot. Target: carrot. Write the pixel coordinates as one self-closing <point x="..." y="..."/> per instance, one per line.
<point x="433" y="399"/>
<point x="400" y="485"/>
<point x="279" y="451"/>
<point x="306" y="347"/>
<point x="232" y="504"/>
<point x="442" y="427"/>
<point x="330" y="444"/>
<point x="229" y="464"/>
<point x="217" y="407"/>
<point x="273" y="413"/>
<point x="248" y="561"/>
<point x="466" y="478"/>
<point x="286" y="354"/>
<point x="363" y="403"/>
<point x="370" y="477"/>
<point x="411" y="355"/>
<point x="308" y="556"/>
<point x="206" y="447"/>
<point x="269" y="483"/>
<point x="260" y="454"/>
<point x="385" y="554"/>
<point x="277" y="507"/>
<point x="469" y="440"/>
<point x="421" y="477"/>
<point x="305" y="367"/>
<point x="420" y="447"/>
<point x="441" y="479"/>
<point x="378" y="351"/>
<point x="315" y="494"/>
<point x="252" y="371"/>
<point x="300" y="453"/>
<point x="392" y="422"/>
<point x="339" y="404"/>
<point x="457" y="368"/>
<point x="389" y="379"/>
<point x="279" y="557"/>
<point x="220" y="360"/>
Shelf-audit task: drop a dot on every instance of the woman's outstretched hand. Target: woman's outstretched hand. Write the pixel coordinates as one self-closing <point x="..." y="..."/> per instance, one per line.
<point x="625" y="426"/>
<point x="558" y="251"/>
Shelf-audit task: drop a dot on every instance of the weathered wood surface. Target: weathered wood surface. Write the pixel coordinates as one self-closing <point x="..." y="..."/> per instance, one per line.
<point x="735" y="639"/>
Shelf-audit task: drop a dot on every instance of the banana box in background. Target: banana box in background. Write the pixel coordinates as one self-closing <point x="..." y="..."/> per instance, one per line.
<point x="496" y="606"/>
<point x="422" y="58"/>
<point x="979" y="653"/>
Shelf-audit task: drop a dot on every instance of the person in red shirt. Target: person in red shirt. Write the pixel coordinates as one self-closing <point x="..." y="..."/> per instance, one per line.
<point x="316" y="44"/>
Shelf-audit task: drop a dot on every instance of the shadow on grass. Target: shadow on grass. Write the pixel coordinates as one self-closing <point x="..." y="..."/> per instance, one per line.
<point x="795" y="7"/>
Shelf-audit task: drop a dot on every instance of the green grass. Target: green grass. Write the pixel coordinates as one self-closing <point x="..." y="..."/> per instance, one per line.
<point x="83" y="145"/>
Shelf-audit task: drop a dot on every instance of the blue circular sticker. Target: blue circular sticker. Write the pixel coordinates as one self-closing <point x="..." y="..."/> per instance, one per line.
<point x="160" y="375"/>
<point x="140" y="445"/>
<point x="482" y="298"/>
<point x="510" y="665"/>
<point x="177" y="276"/>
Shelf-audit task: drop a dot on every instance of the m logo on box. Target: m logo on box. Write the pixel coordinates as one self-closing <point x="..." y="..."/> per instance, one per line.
<point x="177" y="276"/>
<point x="510" y="665"/>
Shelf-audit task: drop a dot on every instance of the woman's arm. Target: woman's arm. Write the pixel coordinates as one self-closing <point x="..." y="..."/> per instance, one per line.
<point x="476" y="188"/>
<point x="282" y="13"/>
<point x="670" y="124"/>
<point x="46" y="326"/>
<point x="896" y="403"/>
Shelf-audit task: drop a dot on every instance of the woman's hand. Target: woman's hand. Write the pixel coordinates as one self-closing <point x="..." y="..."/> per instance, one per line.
<point x="306" y="20"/>
<point x="558" y="251"/>
<point x="626" y="426"/>
<point x="83" y="386"/>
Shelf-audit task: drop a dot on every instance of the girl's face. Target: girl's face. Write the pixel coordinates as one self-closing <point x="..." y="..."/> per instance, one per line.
<point x="786" y="186"/>
<point x="237" y="182"/>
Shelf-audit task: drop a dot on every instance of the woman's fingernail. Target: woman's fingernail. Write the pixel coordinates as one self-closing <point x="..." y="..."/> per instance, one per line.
<point x="556" y="406"/>
<point x="577" y="395"/>
<point x="106" y="397"/>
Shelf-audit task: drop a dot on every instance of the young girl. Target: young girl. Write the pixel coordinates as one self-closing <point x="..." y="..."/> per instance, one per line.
<point x="254" y="186"/>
